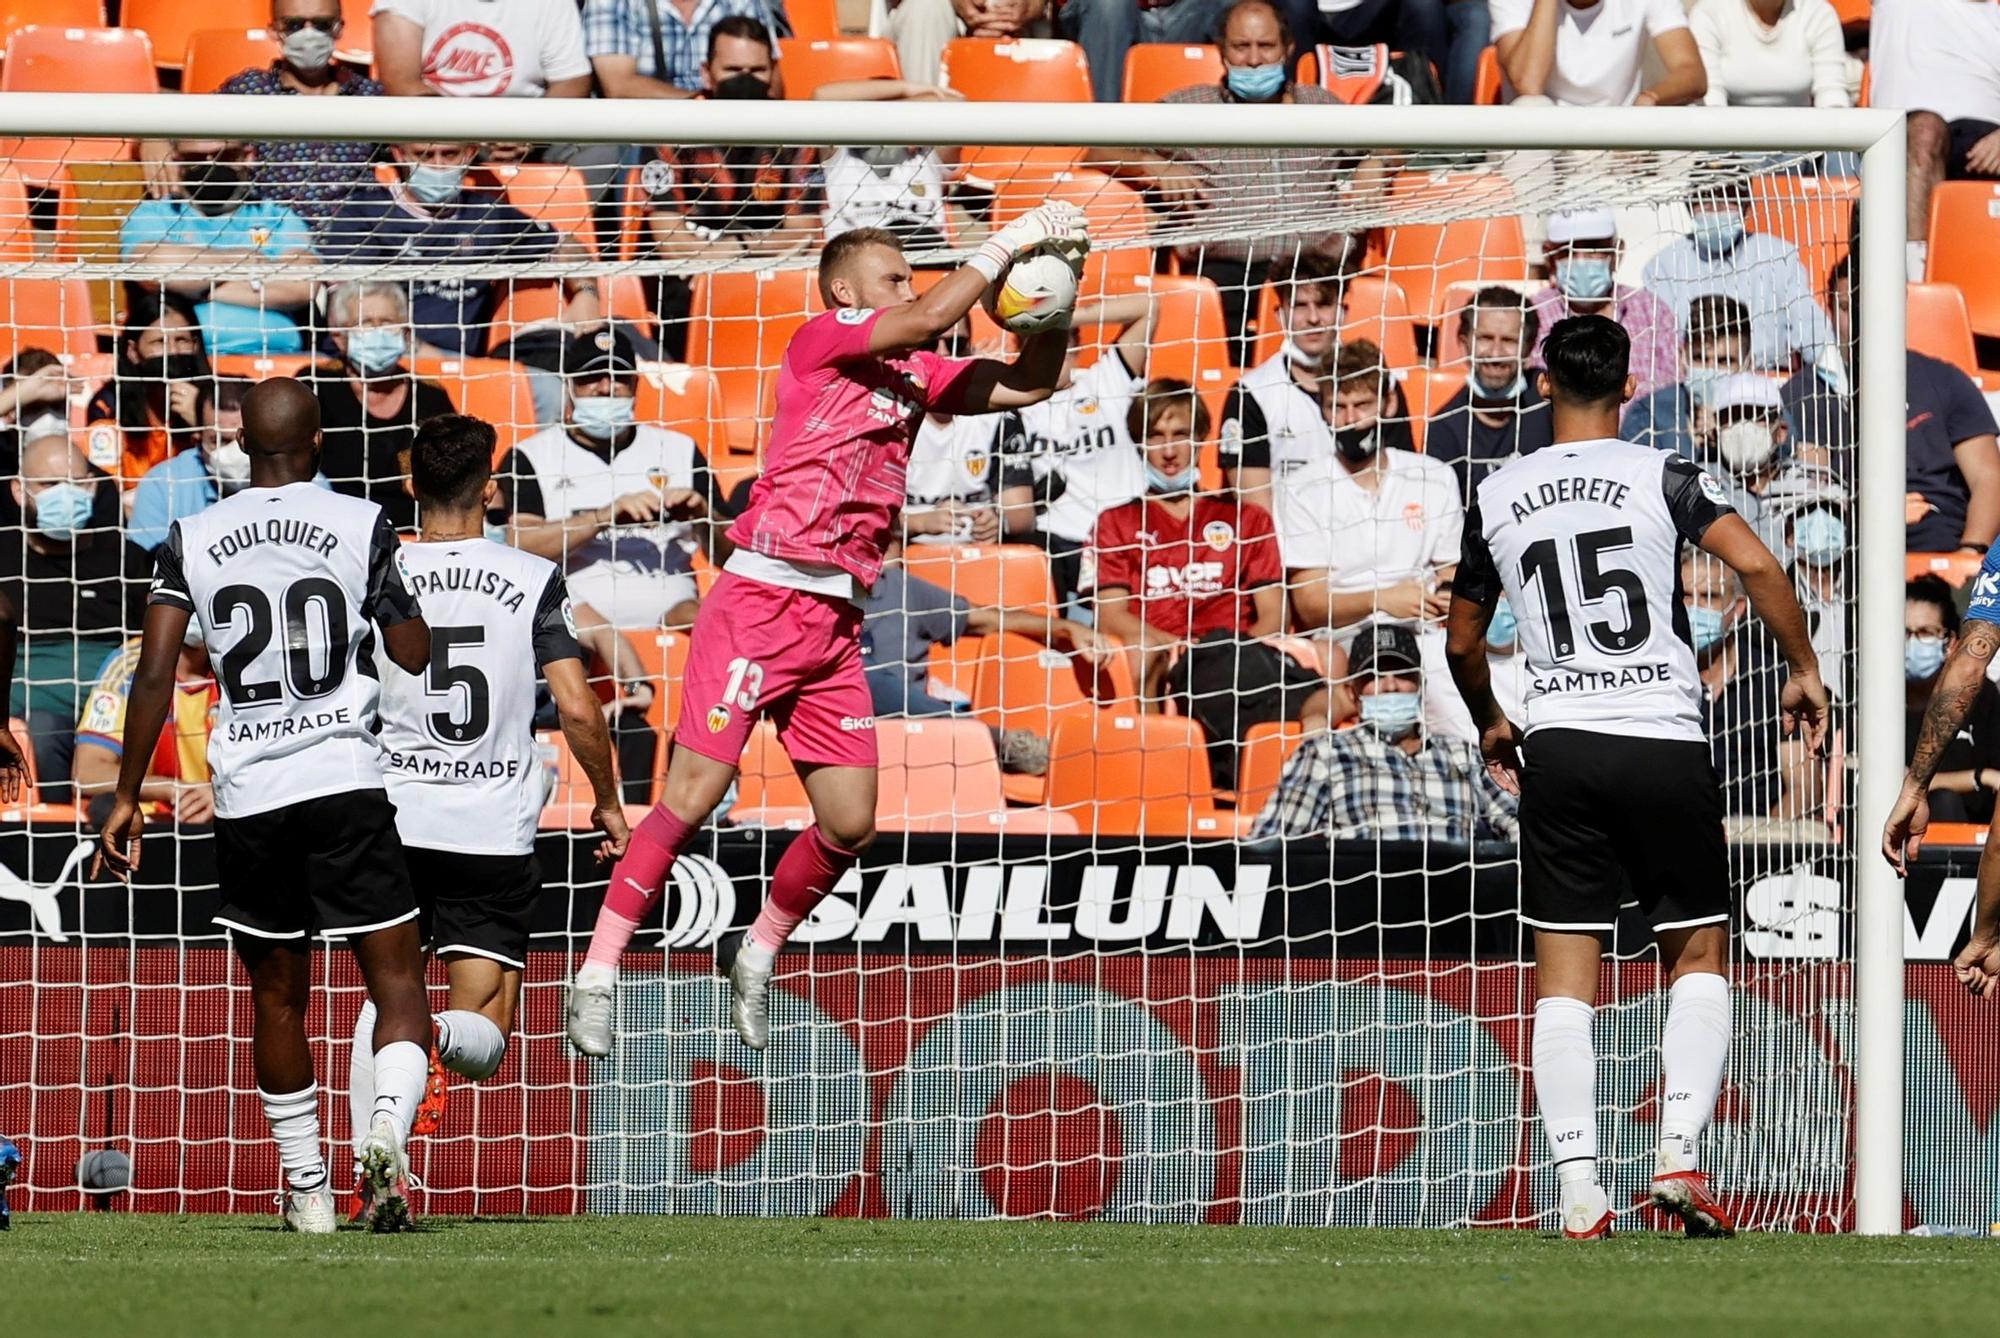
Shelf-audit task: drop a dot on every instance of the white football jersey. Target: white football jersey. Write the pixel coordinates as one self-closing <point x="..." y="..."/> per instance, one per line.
<point x="960" y="460"/>
<point x="460" y="736"/>
<point x="1584" y="538"/>
<point x="287" y="584"/>
<point x="1272" y="423"/>
<point x="1080" y="448"/>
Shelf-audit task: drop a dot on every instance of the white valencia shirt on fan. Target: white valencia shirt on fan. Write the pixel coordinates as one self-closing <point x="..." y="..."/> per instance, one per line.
<point x="1600" y="51"/>
<point x="960" y="461"/>
<point x="1406" y="528"/>
<point x="458" y="739"/>
<point x="1078" y="442"/>
<point x="287" y="585"/>
<point x="494" y="48"/>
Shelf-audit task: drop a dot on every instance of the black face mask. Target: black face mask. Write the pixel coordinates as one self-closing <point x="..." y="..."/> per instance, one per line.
<point x="1357" y="444"/>
<point x="163" y="367"/>
<point x="743" y="88"/>
<point x="213" y="187"/>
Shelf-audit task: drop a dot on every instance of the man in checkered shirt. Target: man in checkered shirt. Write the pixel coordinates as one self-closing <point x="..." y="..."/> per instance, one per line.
<point x="627" y="40"/>
<point x="1385" y="779"/>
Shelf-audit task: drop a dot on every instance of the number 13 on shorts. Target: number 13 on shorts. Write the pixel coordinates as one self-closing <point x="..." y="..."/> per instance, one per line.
<point x="745" y="683"/>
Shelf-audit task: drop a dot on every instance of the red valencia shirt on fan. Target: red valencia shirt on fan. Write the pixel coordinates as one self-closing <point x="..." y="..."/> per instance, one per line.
<point x="834" y="472"/>
<point x="1190" y="575"/>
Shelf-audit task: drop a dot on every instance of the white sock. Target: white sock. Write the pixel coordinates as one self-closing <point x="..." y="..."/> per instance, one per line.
<point x="469" y="1044"/>
<point x="1694" y="1051"/>
<point x="294" y="1120"/>
<point x="756" y="955"/>
<point x="595" y="975"/>
<point x="401" y="1069"/>
<point x="1566" y="1088"/>
<point x="361" y="1077"/>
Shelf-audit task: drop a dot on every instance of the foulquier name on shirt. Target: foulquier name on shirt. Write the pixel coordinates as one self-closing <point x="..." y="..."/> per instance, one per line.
<point x="273" y="531"/>
<point x="1606" y="492"/>
<point x="468" y="580"/>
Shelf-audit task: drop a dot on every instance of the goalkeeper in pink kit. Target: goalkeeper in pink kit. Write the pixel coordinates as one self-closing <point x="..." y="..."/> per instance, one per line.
<point x="779" y="635"/>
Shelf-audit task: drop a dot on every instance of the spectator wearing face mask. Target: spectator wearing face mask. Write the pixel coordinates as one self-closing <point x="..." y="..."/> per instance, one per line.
<point x="659" y="48"/>
<point x="1191" y="581"/>
<point x="79" y="587"/>
<point x="1815" y="534"/>
<point x="243" y="261"/>
<point x="1499" y="413"/>
<point x="1749" y="452"/>
<point x="1370" y="534"/>
<point x="433" y="214"/>
<point x="193" y="481"/>
<point x="1583" y="253"/>
<point x="1741" y="675"/>
<point x="1761" y="271"/>
<point x="1677" y="417"/>
<point x="621" y="506"/>
<point x="370" y="402"/>
<point x="1273" y="423"/>
<point x="151" y="407"/>
<point x="1389" y="778"/>
<point x="1264" y="192"/>
<point x="1969" y="772"/>
<point x="309" y="177"/>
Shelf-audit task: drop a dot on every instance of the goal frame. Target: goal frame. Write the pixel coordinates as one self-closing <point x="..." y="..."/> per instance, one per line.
<point x="1875" y="134"/>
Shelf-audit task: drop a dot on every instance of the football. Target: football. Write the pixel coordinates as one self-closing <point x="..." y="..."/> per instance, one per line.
<point x="1034" y="295"/>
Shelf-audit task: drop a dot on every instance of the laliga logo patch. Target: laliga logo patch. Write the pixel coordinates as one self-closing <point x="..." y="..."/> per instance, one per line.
<point x="853" y="315"/>
<point x="402" y="566"/>
<point x="102" y="446"/>
<point x="1218" y="534"/>
<point x="657" y="177"/>
<point x="718" y="719"/>
<point x="1713" y="490"/>
<point x="569" y="617"/>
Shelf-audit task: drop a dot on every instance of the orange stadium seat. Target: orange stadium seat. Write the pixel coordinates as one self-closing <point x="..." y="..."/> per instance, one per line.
<point x="1022" y="684"/>
<point x="806" y="63"/>
<point x="169" y="23"/>
<point x="769" y="792"/>
<point x="1425" y="390"/>
<point x="1426" y="259"/>
<point x="1130" y="774"/>
<point x="738" y="326"/>
<point x="17" y="227"/>
<point x="535" y="302"/>
<point x="938" y="774"/>
<point x="814" y="20"/>
<point x="215" y="55"/>
<point x="683" y="397"/>
<point x="1955" y="568"/>
<point x="1022" y="70"/>
<point x="357" y="33"/>
<point x="1266" y="749"/>
<point x="1003" y="576"/>
<point x="1964" y="236"/>
<point x="1189" y="340"/>
<point x="72" y="60"/>
<point x="1155" y="69"/>
<point x="54" y="314"/>
<point x="487" y="388"/>
<point x="663" y="653"/>
<point x="18" y="14"/>
<point x="553" y="193"/>
<point x="1853" y="13"/>
<point x="985" y="167"/>
<point x="1936" y="323"/>
<point x="1486" y="80"/>
<point x="1371" y="308"/>
<point x="258" y="366"/>
<point x="1815" y="214"/>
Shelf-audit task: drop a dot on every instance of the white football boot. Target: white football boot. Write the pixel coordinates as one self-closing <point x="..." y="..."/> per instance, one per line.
<point x="590" y="1006"/>
<point x="384" y="1179"/>
<point x="1587" y="1214"/>
<point x="310" y="1212"/>
<point x="750" y="994"/>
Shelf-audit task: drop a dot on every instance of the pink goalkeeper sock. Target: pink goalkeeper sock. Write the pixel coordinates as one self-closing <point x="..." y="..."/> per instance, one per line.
<point x="806" y="872"/>
<point x="637" y="883"/>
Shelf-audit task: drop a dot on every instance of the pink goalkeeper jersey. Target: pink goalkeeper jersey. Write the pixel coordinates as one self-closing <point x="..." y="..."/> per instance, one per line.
<point x="840" y="445"/>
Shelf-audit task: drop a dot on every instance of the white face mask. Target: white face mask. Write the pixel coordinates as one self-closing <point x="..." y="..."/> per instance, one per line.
<point x="231" y="466"/>
<point x="1745" y="447"/>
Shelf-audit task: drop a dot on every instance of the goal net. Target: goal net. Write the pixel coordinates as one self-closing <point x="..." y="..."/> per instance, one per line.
<point x="1162" y="923"/>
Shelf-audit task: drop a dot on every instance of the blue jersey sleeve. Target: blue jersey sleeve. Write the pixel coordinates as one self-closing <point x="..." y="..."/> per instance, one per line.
<point x="1985" y="605"/>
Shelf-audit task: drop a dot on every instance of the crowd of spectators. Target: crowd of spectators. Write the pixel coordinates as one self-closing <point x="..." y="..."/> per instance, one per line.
<point x="1279" y="556"/>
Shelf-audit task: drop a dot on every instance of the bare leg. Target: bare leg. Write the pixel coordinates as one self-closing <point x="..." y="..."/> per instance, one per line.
<point x="280" y="983"/>
<point x="1929" y="139"/>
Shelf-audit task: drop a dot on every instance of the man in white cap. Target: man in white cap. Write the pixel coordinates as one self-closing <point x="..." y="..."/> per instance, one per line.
<point x="1751" y="455"/>
<point x="1583" y="253"/>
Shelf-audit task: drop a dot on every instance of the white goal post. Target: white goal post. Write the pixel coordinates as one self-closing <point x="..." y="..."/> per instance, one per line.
<point x="1653" y="135"/>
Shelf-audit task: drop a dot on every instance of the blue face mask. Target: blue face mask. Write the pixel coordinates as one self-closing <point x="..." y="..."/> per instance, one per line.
<point x="1718" y="233"/>
<point x="601" y="416"/>
<point x="1394" y="714"/>
<point x="376" y="348"/>
<point x="61" y="509"/>
<point x="1169" y="484"/>
<point x="1584" y="278"/>
<point x="435" y="185"/>
<point x="1820" y="537"/>
<point x="1923" y="656"/>
<point x="496" y="533"/>
<point x="1504" y="626"/>
<point x="1255" y="83"/>
<point x="1706" y="626"/>
<point x="1505" y="394"/>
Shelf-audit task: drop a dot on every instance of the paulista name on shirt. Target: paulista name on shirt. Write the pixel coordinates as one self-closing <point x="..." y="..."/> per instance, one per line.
<point x="470" y="580"/>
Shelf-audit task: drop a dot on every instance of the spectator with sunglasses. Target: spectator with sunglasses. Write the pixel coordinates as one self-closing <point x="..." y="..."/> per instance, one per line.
<point x="310" y="178"/>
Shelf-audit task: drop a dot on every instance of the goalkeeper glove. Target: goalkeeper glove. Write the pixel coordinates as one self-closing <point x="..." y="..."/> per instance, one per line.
<point x="1057" y="227"/>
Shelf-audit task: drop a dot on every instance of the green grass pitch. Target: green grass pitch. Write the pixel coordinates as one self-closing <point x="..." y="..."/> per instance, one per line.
<point x="140" y="1276"/>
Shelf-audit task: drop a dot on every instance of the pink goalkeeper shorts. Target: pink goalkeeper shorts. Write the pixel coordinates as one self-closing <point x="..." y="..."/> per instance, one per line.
<point x="763" y="650"/>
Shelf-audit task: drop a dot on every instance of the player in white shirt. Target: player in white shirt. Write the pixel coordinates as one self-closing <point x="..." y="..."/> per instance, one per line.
<point x="460" y="749"/>
<point x="1273" y="423"/>
<point x="1619" y="798"/>
<point x="289" y="583"/>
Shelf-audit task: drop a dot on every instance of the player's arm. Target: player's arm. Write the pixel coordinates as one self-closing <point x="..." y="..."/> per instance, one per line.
<point x="1803" y="702"/>
<point x="1958" y="685"/>
<point x="1476" y="588"/>
<point x="391" y="606"/>
<point x="992" y="385"/>
<point x="145" y="716"/>
<point x="1978" y="964"/>
<point x="920" y="324"/>
<point x="1044" y="627"/>
<point x="561" y="661"/>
